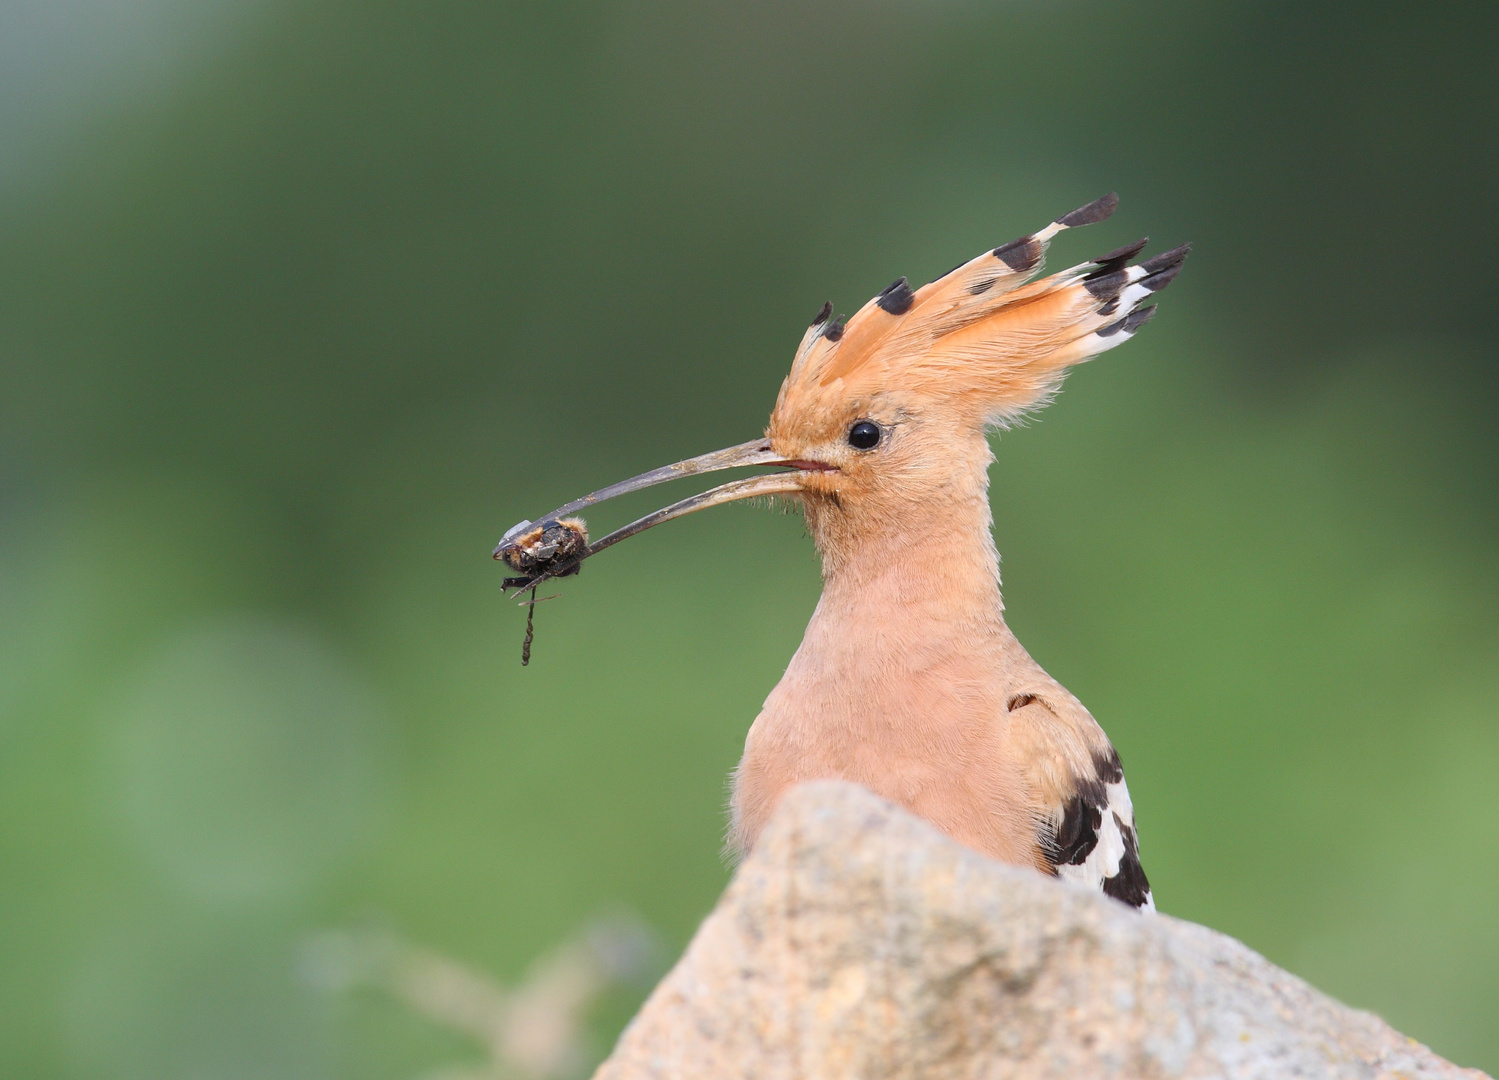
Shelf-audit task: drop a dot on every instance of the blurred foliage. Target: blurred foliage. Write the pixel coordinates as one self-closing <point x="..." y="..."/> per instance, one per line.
<point x="289" y="340"/>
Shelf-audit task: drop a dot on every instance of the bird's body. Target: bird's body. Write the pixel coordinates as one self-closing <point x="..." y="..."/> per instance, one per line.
<point x="908" y="679"/>
<point x="909" y="682"/>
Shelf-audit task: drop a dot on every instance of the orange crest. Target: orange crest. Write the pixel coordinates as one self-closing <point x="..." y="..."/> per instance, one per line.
<point x="983" y="342"/>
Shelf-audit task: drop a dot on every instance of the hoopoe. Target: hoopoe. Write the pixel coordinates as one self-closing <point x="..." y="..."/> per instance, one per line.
<point x="908" y="679"/>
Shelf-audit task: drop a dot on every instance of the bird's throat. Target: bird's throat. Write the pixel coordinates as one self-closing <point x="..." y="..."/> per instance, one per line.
<point x="911" y="592"/>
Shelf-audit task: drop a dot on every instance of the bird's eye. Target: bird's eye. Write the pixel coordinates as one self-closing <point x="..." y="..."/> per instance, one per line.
<point x="864" y="435"/>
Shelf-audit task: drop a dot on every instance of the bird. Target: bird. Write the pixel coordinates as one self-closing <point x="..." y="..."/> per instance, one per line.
<point x="908" y="679"/>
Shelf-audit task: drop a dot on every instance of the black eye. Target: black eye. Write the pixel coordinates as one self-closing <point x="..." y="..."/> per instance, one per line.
<point x="865" y="435"/>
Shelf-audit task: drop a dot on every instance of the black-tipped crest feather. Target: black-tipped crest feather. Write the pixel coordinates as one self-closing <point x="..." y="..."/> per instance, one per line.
<point x="1174" y="257"/>
<point x="1116" y="259"/>
<point x="1107" y="287"/>
<point x="1020" y="255"/>
<point x="1097" y="210"/>
<point x="1161" y="278"/>
<point x="1137" y="319"/>
<point x="897" y="297"/>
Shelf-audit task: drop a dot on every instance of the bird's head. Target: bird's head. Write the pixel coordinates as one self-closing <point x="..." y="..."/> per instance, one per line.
<point x="882" y="418"/>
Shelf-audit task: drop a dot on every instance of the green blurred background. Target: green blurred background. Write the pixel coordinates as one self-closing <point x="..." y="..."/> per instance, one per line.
<point x="304" y="304"/>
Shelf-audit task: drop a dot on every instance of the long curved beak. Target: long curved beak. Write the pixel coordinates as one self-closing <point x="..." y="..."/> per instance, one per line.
<point x="755" y="452"/>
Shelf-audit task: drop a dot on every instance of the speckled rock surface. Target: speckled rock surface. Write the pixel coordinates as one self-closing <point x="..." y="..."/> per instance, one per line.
<point x="857" y="941"/>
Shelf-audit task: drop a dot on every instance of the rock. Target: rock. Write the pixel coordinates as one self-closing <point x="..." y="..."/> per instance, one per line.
<point x="857" y="941"/>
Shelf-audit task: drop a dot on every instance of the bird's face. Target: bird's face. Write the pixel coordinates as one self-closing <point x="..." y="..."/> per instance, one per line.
<point x="873" y="448"/>
<point x="880" y="464"/>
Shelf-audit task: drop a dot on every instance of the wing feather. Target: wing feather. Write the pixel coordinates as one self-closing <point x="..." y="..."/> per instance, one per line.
<point x="1091" y="839"/>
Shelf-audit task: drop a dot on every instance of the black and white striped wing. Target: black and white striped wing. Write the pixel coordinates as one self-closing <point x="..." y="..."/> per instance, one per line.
<point x="1094" y="841"/>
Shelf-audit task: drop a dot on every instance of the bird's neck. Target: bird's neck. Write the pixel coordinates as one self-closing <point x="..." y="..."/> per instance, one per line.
<point x="947" y="565"/>
<point x="922" y="577"/>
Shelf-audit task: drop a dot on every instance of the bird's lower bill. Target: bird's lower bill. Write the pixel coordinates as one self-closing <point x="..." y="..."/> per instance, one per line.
<point x="531" y="548"/>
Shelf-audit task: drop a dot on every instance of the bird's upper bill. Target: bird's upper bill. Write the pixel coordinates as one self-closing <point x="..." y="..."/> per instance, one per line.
<point x="885" y="401"/>
<point x="755" y="452"/>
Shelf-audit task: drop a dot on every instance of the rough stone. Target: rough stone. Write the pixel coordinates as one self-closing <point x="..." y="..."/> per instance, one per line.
<point x="857" y="941"/>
